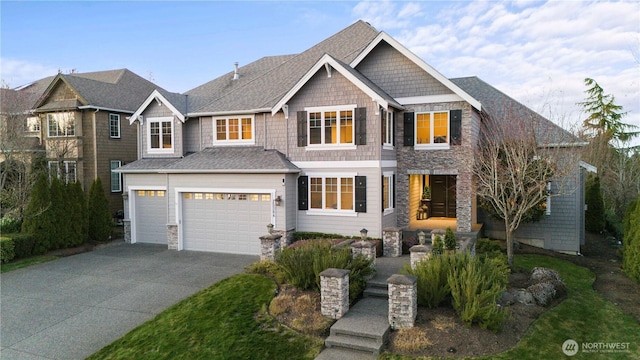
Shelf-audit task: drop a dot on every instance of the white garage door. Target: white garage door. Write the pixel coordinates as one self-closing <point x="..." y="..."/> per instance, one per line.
<point x="151" y="217"/>
<point x="225" y="222"/>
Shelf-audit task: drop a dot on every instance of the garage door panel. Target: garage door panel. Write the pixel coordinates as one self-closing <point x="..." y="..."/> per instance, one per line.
<point x="150" y="216"/>
<point x="230" y="222"/>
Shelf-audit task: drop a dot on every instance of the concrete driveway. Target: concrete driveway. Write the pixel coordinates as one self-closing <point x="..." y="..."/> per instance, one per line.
<point x="71" y="307"/>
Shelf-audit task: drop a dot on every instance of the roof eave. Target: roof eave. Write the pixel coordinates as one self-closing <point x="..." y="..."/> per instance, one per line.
<point x="104" y="109"/>
<point x="153" y="96"/>
<point x="228" y="171"/>
<point x="229" y="112"/>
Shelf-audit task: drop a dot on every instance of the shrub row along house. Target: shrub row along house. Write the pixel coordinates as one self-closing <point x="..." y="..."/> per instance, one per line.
<point x="78" y="121"/>
<point x="346" y="135"/>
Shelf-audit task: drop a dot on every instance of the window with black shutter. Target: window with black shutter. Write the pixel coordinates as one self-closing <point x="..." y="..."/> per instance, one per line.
<point x="361" y="126"/>
<point x="302" y="128"/>
<point x="455" y="126"/>
<point x="409" y="137"/>
<point x="361" y="194"/>
<point x="303" y="193"/>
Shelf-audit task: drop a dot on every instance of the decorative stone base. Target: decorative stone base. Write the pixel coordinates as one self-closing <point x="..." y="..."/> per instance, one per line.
<point x="420" y="253"/>
<point x="403" y="301"/>
<point x="269" y="246"/>
<point x="392" y="242"/>
<point x="366" y="249"/>
<point x="126" y="225"/>
<point x="334" y="292"/>
<point x="172" y="236"/>
<point x="287" y="237"/>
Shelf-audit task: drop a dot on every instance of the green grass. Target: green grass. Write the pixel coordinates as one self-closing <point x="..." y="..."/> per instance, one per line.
<point x="18" y="264"/>
<point x="584" y="316"/>
<point x="215" y="323"/>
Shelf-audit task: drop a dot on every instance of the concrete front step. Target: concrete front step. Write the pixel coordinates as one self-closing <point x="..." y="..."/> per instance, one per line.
<point x="362" y="344"/>
<point x="344" y="354"/>
<point x="377" y="288"/>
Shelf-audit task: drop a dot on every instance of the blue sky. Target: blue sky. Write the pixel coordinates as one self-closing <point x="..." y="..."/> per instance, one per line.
<point x="537" y="52"/>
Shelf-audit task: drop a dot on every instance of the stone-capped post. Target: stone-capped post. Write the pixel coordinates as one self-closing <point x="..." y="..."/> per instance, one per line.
<point x="269" y="246"/>
<point x="172" y="236"/>
<point x="392" y="242"/>
<point x="334" y="292"/>
<point x="126" y="224"/>
<point x="364" y="248"/>
<point x="403" y="301"/>
<point x="420" y="253"/>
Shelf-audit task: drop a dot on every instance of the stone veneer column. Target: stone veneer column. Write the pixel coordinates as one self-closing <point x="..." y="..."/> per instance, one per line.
<point x="364" y="248"/>
<point x="269" y="246"/>
<point x="420" y="253"/>
<point x="126" y="225"/>
<point x="403" y="301"/>
<point x="464" y="200"/>
<point x="287" y="237"/>
<point x="172" y="236"/>
<point x="334" y="292"/>
<point x="392" y="242"/>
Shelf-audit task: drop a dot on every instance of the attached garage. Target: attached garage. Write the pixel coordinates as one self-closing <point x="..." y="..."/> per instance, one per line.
<point x="228" y="222"/>
<point x="150" y="219"/>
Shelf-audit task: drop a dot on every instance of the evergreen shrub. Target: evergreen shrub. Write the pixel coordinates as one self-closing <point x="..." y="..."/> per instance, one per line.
<point x="100" y="221"/>
<point x="594" y="216"/>
<point x="631" y="248"/>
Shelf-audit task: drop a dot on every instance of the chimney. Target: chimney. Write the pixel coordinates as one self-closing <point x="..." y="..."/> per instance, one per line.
<point x="236" y="74"/>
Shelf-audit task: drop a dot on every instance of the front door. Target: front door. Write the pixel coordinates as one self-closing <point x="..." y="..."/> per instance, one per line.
<point x="443" y="195"/>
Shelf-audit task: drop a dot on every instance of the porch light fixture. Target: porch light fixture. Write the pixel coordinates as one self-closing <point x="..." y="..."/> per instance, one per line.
<point x="421" y="237"/>
<point x="278" y="200"/>
<point x="363" y="234"/>
<point x="270" y="228"/>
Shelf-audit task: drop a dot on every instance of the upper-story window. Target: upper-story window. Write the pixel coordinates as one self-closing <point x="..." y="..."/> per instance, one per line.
<point x="387" y="118"/>
<point x="160" y="134"/>
<point x="116" y="178"/>
<point x="32" y="125"/>
<point x="61" y="124"/>
<point x="331" y="126"/>
<point x="432" y="129"/>
<point x="234" y="130"/>
<point x="66" y="171"/>
<point x="114" y="126"/>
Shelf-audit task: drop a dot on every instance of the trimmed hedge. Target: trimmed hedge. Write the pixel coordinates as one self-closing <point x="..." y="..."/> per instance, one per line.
<point x="17" y="246"/>
<point x="6" y="250"/>
<point x="631" y="249"/>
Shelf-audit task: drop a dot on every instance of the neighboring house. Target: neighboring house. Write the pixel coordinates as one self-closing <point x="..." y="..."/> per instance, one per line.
<point x="340" y="137"/>
<point x="80" y="120"/>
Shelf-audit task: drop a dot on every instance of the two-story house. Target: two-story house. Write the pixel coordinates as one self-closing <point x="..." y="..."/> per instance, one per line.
<point x="343" y="136"/>
<point x="80" y="120"/>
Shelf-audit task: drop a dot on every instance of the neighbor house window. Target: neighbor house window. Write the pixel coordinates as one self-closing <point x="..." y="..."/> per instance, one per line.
<point x="432" y="129"/>
<point x="160" y="134"/>
<point x="61" y="124"/>
<point x="65" y="171"/>
<point x="387" y="128"/>
<point x="331" y="126"/>
<point x="116" y="178"/>
<point x="32" y="124"/>
<point x="388" y="192"/>
<point x="114" y="126"/>
<point x="234" y="129"/>
<point x="331" y="193"/>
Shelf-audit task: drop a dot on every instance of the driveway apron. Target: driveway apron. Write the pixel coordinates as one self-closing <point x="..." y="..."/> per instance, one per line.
<point x="72" y="307"/>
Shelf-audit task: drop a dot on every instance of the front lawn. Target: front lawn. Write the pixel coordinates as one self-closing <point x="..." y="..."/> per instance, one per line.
<point x="18" y="264"/>
<point x="584" y="316"/>
<point x="216" y="323"/>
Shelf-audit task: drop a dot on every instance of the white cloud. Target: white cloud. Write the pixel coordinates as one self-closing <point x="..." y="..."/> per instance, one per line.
<point x="15" y="73"/>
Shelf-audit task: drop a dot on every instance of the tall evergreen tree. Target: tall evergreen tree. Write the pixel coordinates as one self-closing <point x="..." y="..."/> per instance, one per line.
<point x="37" y="220"/>
<point x="60" y="224"/>
<point x="78" y="217"/>
<point x="100" y="221"/>
<point x="594" y="216"/>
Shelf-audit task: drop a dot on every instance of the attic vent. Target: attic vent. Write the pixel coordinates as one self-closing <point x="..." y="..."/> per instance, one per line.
<point x="236" y="74"/>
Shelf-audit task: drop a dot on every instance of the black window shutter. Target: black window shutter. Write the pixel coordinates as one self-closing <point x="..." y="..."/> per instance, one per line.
<point x="361" y="126"/>
<point x="303" y="193"/>
<point x="393" y="180"/>
<point x="302" y="128"/>
<point x="409" y="138"/>
<point x="455" y="123"/>
<point x="361" y="194"/>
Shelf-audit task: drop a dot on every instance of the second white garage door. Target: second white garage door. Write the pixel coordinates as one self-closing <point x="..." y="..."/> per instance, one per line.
<point x="224" y="222"/>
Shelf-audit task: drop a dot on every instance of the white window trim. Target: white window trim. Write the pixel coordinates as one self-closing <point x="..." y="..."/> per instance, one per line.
<point x="548" y="207"/>
<point x="432" y="145"/>
<point x="173" y="135"/>
<point x="36" y="131"/>
<point x="71" y="116"/>
<point x="389" y="174"/>
<point x="58" y="175"/>
<point x="338" y="145"/>
<point x="387" y="143"/>
<point x="119" y="162"/>
<point x="238" y="141"/>
<point x="119" y="133"/>
<point x="332" y="212"/>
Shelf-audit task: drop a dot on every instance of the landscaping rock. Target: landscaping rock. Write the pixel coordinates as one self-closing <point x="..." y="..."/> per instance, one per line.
<point x="540" y="275"/>
<point x="506" y="299"/>
<point x="543" y="292"/>
<point x="523" y="296"/>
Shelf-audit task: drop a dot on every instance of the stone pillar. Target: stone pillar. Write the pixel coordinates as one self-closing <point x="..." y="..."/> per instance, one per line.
<point x="126" y="225"/>
<point x="172" y="236"/>
<point x="420" y="253"/>
<point x="287" y="237"/>
<point x="436" y="232"/>
<point x="334" y="292"/>
<point x="364" y="248"/>
<point x="269" y="246"/>
<point x="403" y="301"/>
<point x="392" y="242"/>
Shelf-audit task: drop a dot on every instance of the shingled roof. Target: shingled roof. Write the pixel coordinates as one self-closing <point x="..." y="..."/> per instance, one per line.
<point x="112" y="89"/>
<point x="501" y="108"/>
<point x="243" y="159"/>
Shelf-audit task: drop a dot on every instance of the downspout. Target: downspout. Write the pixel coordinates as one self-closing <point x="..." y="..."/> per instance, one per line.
<point x="264" y="126"/>
<point x="95" y="146"/>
